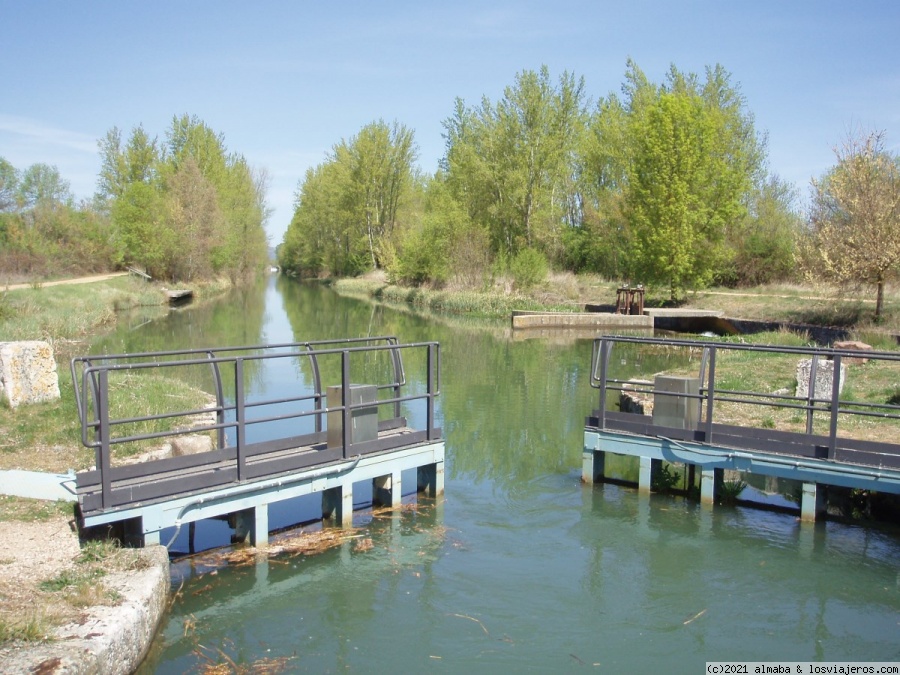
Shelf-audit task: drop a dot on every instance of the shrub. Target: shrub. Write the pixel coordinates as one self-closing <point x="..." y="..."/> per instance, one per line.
<point x="528" y="268"/>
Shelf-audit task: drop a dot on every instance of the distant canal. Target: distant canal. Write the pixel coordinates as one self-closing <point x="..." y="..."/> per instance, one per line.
<point x="520" y="568"/>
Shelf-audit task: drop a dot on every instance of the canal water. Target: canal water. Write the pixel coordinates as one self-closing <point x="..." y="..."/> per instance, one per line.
<point x="520" y="567"/>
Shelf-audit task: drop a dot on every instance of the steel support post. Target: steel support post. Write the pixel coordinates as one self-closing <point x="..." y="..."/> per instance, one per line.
<point x="252" y="525"/>
<point x="593" y="466"/>
<point x="337" y="505"/>
<point x="386" y="490"/>
<point x="710" y="482"/>
<point x="812" y="501"/>
<point x="649" y="466"/>
<point x="430" y="479"/>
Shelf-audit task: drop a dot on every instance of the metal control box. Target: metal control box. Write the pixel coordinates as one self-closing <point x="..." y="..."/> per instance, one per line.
<point x="680" y="408"/>
<point x="363" y="421"/>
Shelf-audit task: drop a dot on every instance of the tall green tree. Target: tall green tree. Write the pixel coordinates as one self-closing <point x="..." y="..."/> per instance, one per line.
<point x="139" y="216"/>
<point x="195" y="221"/>
<point x="380" y="174"/>
<point x="137" y="161"/>
<point x="512" y="163"/>
<point x="692" y="157"/>
<point x="349" y="208"/>
<point x="185" y="208"/>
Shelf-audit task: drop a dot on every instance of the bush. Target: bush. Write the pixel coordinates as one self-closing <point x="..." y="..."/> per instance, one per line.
<point x="528" y="268"/>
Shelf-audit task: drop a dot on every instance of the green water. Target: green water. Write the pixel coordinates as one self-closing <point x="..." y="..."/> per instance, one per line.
<point x="520" y="567"/>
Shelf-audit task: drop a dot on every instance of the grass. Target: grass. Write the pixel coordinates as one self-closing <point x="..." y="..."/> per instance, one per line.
<point x="63" y="596"/>
<point x="32" y="627"/>
<point x="82" y="584"/>
<point x="786" y="303"/>
<point x="875" y="382"/>
<point x="790" y="303"/>
<point x="730" y="491"/>
<point x="561" y="292"/>
<point x="47" y="436"/>
<point x="31" y="510"/>
<point x="70" y="312"/>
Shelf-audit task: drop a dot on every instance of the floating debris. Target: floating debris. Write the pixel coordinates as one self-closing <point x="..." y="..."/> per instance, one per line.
<point x="217" y="662"/>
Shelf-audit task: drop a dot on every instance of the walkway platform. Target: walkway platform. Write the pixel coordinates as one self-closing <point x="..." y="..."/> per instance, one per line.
<point x="683" y="428"/>
<point x="347" y="433"/>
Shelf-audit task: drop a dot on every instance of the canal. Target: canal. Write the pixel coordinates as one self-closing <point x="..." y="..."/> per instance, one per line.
<point x="519" y="567"/>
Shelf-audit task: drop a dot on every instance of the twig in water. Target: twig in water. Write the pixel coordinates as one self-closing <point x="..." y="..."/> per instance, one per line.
<point x="695" y="617"/>
<point x="472" y="618"/>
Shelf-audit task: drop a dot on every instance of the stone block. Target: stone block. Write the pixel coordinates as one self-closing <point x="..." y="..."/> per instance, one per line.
<point x="28" y="372"/>
<point x="191" y="444"/>
<point x="636" y="397"/>
<point x="824" y="378"/>
<point x="856" y="346"/>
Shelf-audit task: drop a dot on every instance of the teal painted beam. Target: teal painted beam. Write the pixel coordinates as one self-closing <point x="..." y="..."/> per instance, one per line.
<point x="244" y="496"/>
<point x="708" y="457"/>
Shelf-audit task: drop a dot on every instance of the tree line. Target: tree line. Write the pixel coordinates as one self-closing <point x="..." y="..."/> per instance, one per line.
<point x="182" y="208"/>
<point x="663" y="184"/>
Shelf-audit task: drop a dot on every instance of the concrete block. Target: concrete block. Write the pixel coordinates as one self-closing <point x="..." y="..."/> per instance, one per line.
<point x="856" y="346"/>
<point x="824" y="378"/>
<point x="191" y="444"/>
<point x="28" y="373"/>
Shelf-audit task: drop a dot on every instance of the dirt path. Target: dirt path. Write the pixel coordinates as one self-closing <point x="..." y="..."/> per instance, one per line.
<point x="774" y="295"/>
<point x="79" y="280"/>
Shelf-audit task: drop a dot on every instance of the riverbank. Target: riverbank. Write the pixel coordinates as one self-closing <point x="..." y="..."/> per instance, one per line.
<point x="94" y="615"/>
<point x="84" y="611"/>
<point x="774" y="305"/>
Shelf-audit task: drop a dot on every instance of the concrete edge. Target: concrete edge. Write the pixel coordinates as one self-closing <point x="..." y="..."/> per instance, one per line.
<point x="38" y="485"/>
<point x="112" y="640"/>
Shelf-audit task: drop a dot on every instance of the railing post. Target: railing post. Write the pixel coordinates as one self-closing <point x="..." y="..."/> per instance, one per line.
<point x="240" y="416"/>
<point x="317" y="385"/>
<point x="710" y="394"/>
<point x="398" y="374"/>
<point x="605" y="349"/>
<point x="220" y="402"/>
<point x="105" y="463"/>
<point x="346" y="435"/>
<point x="835" y="403"/>
<point x="429" y="416"/>
<point x="811" y="392"/>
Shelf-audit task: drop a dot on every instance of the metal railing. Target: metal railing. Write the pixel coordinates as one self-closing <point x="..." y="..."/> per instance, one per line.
<point x="236" y="412"/>
<point x="835" y="405"/>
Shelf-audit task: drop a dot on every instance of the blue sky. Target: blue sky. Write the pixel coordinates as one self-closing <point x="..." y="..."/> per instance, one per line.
<point x="285" y="81"/>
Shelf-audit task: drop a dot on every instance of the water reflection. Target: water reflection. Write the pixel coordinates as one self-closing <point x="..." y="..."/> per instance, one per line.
<point x="345" y="586"/>
<point x="525" y="568"/>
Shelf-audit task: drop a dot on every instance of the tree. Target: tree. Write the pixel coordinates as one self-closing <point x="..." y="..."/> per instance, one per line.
<point x="762" y="245"/>
<point x="348" y="209"/>
<point x="195" y="221"/>
<point x="42" y="184"/>
<point x="380" y="172"/>
<point x="512" y="163"/>
<point x="9" y="186"/>
<point x="855" y="217"/>
<point x="693" y="158"/>
<point x="120" y="166"/>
